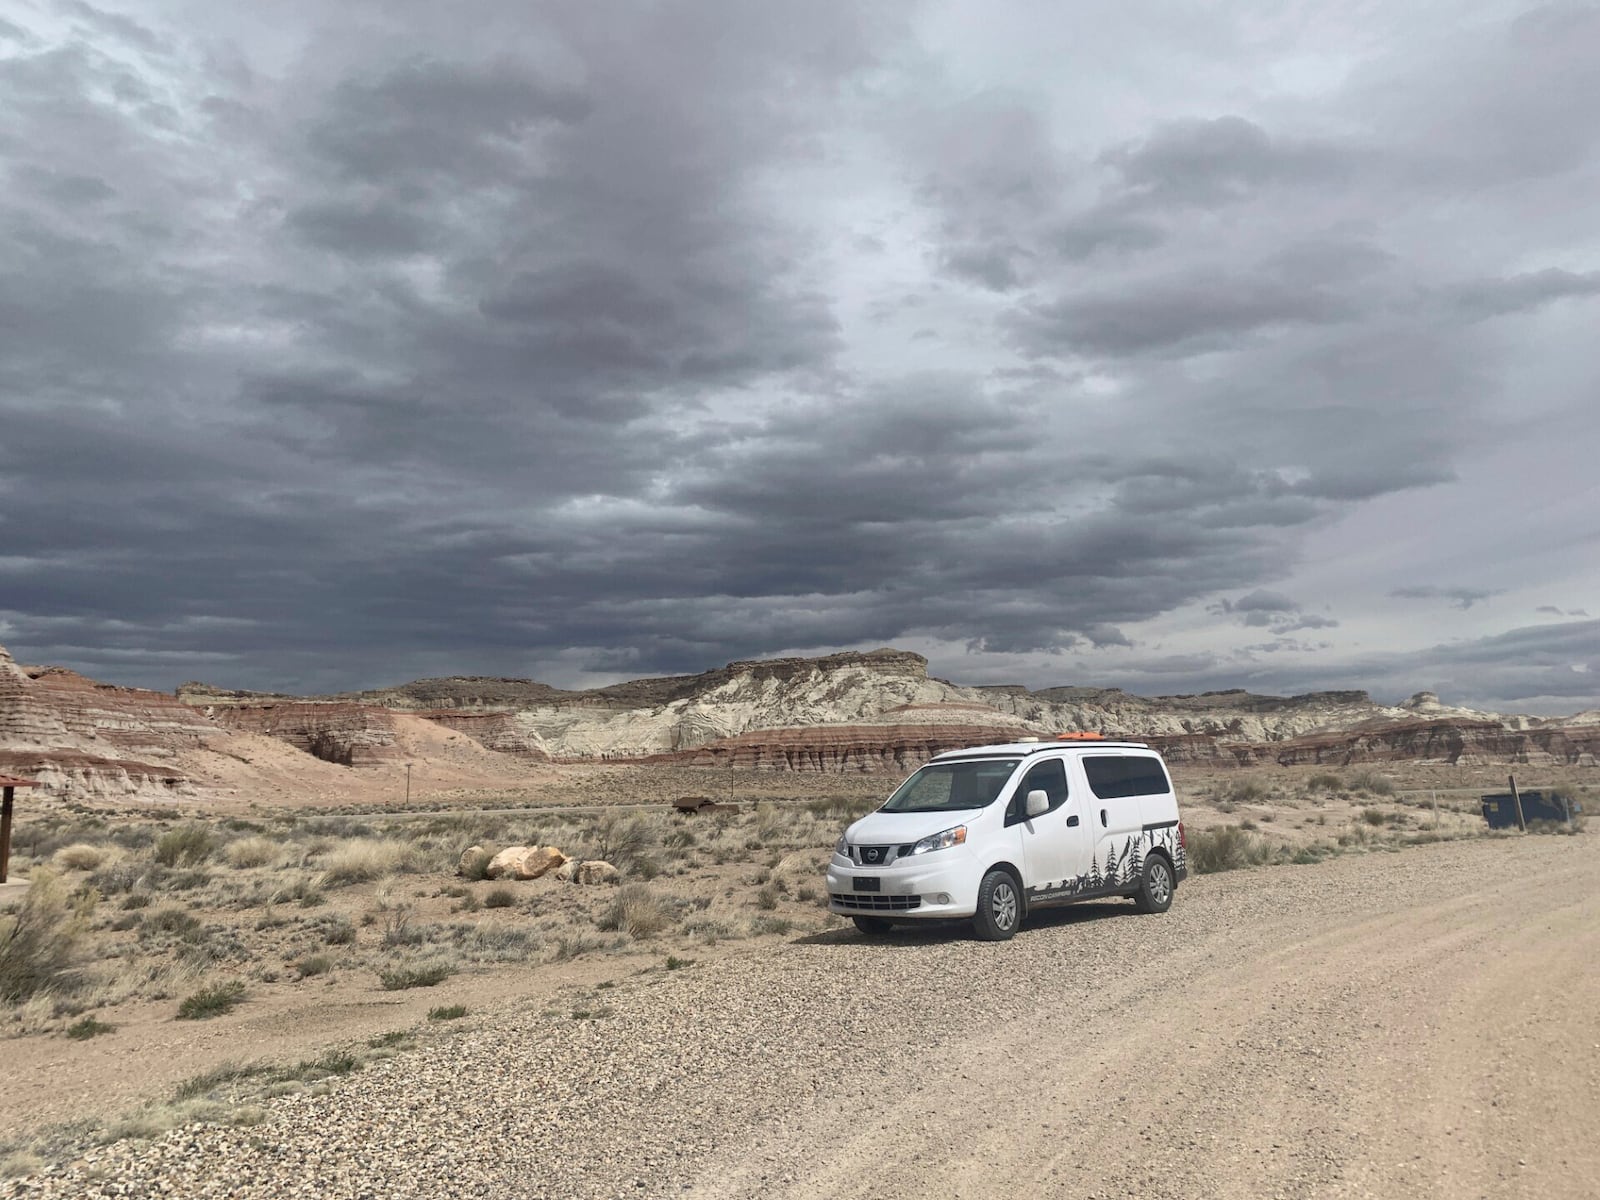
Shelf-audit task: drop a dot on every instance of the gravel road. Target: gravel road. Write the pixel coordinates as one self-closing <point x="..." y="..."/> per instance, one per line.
<point x="1422" y="1023"/>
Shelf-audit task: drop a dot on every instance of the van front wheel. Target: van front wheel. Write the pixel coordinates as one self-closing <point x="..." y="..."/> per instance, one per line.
<point x="999" y="907"/>
<point x="873" y="926"/>
<point x="1155" y="889"/>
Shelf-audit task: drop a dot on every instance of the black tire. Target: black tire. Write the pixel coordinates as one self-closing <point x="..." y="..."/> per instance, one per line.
<point x="999" y="907"/>
<point x="1157" y="887"/>
<point x="873" y="926"/>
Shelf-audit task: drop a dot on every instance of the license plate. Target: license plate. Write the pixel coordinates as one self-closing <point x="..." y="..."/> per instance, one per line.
<point x="867" y="883"/>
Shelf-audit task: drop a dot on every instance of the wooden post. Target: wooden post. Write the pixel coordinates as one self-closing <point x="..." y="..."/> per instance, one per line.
<point x="6" y="801"/>
<point x="1516" y="798"/>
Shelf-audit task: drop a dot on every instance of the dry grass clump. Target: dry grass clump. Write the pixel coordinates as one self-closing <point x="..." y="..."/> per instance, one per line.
<point x="636" y="911"/>
<point x="186" y="846"/>
<point x="358" y="860"/>
<point x="399" y="977"/>
<point x="1368" y="780"/>
<point x="253" y="851"/>
<point x="39" y="941"/>
<point x="211" y="1001"/>
<point x="80" y="856"/>
<point x="1227" y="848"/>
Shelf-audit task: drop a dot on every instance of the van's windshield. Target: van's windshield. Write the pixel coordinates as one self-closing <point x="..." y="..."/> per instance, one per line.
<point x="953" y="786"/>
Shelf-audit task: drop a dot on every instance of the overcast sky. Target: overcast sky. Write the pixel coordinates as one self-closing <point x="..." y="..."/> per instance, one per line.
<point x="1170" y="346"/>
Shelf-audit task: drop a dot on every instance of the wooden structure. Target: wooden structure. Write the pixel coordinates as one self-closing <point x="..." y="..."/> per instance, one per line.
<point x="8" y="792"/>
<point x="700" y="804"/>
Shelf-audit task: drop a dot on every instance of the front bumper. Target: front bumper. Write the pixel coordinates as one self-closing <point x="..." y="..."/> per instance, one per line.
<point x="919" y="888"/>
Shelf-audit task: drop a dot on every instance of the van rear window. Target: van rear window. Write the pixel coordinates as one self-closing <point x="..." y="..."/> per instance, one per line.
<point x="1114" y="775"/>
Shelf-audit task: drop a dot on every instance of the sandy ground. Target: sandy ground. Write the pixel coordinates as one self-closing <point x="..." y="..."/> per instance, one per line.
<point x="1402" y="1024"/>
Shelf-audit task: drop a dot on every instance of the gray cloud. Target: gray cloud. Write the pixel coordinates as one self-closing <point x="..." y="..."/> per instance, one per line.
<point x="339" y="345"/>
<point x="1459" y="597"/>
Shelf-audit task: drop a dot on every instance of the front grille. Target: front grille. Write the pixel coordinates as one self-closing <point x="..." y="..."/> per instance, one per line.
<point x="866" y="900"/>
<point x="878" y="856"/>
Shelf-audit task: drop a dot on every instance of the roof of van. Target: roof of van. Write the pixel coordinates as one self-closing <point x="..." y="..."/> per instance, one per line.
<point x="1013" y="749"/>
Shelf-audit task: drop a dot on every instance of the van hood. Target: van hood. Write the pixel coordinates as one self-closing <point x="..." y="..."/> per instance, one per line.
<point x="881" y="828"/>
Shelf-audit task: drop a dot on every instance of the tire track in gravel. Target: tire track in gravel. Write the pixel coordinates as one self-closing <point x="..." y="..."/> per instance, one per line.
<point x="1372" y="1025"/>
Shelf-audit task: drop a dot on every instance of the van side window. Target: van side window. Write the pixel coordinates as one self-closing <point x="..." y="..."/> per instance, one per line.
<point x="1115" y="775"/>
<point x="1049" y="777"/>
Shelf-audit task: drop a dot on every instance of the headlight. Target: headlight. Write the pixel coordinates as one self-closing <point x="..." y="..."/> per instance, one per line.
<point x="843" y="848"/>
<point x="941" y="841"/>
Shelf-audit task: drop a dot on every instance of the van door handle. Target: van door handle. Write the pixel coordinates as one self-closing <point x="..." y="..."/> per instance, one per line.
<point x="1103" y="821"/>
<point x="1072" y="820"/>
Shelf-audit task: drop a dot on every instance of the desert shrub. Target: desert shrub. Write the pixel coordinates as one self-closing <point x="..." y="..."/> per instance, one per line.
<point x="208" y="1083"/>
<point x="622" y="840"/>
<point x="361" y="859"/>
<point x="500" y="897"/>
<point x="82" y="1031"/>
<point x="39" y="941"/>
<point x="186" y="846"/>
<point x="211" y="1001"/>
<point x="1374" y="816"/>
<point x="250" y="852"/>
<point x="398" y="977"/>
<point x="1325" y="782"/>
<point x="170" y="919"/>
<point x="1367" y="780"/>
<point x="313" y="964"/>
<point x="80" y="856"/>
<point x="1243" y="791"/>
<point x="674" y="963"/>
<point x="636" y="911"/>
<point x="115" y="878"/>
<point x="336" y="931"/>
<point x="767" y="897"/>
<point x="761" y="923"/>
<point x="447" y="1012"/>
<point x="186" y="881"/>
<point x="398" y="930"/>
<point x="1227" y="848"/>
<point x="476" y="866"/>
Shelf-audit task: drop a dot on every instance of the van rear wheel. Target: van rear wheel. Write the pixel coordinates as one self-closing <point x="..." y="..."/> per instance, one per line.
<point x="1156" y="888"/>
<point x="999" y="907"/>
<point x="873" y="926"/>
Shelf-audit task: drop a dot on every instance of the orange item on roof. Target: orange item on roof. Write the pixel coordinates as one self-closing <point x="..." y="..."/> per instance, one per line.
<point x="1080" y="737"/>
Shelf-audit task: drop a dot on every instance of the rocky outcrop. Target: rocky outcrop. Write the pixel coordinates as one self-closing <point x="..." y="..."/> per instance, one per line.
<point x="524" y="862"/>
<point x="503" y="731"/>
<point x="1454" y="740"/>
<point x="839" y="749"/>
<point x="352" y="735"/>
<point x="126" y="720"/>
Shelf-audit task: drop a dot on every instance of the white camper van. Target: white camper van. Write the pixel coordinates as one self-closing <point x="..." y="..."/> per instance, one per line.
<point x="995" y="831"/>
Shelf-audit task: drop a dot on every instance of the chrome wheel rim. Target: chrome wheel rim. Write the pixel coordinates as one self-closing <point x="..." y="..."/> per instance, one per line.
<point x="1004" y="906"/>
<point x="1160" y="885"/>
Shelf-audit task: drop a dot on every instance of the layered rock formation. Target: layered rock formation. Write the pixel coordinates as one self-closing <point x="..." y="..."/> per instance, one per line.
<point x="76" y="736"/>
<point x="352" y="735"/>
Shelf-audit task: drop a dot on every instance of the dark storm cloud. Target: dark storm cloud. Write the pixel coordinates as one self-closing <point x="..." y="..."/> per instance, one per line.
<point x="344" y="344"/>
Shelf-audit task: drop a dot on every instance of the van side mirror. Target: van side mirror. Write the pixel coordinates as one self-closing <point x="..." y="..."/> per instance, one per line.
<point x="1038" y="802"/>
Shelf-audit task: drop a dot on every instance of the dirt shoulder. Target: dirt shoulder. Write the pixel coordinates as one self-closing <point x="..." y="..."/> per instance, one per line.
<point x="1409" y="1024"/>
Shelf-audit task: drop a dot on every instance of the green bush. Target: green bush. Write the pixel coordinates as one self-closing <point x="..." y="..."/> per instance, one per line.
<point x="447" y="1012"/>
<point x="188" y="845"/>
<point x="82" y="1031"/>
<point x="401" y="976"/>
<point x="211" y="1001"/>
<point x="39" y="941"/>
<point x="500" y="897"/>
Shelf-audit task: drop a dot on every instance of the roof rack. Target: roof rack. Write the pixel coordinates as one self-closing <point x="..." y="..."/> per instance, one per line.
<point x="1080" y="737"/>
